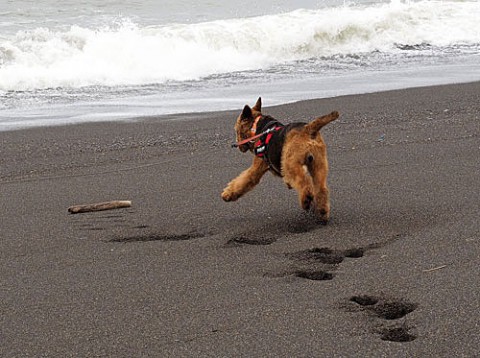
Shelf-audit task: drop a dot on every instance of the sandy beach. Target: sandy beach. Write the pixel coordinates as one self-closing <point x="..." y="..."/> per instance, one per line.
<point x="183" y="274"/>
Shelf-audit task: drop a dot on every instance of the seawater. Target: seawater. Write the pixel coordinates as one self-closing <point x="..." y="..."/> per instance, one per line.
<point x="102" y="60"/>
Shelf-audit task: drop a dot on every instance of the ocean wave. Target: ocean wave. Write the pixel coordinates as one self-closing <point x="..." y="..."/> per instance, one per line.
<point x="128" y="54"/>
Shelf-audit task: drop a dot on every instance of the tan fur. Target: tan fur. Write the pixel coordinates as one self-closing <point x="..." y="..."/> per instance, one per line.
<point x="304" y="163"/>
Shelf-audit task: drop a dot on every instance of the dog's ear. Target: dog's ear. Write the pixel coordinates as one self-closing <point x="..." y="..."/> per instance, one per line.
<point x="247" y="114"/>
<point x="258" y="105"/>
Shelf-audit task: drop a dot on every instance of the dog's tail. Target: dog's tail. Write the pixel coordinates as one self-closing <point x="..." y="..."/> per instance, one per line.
<point x="313" y="127"/>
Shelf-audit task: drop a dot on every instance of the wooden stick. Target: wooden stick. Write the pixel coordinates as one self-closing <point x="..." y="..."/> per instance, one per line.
<point x="108" y="205"/>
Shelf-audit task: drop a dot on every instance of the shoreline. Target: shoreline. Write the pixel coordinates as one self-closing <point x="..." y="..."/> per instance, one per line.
<point x="181" y="273"/>
<point x="224" y="99"/>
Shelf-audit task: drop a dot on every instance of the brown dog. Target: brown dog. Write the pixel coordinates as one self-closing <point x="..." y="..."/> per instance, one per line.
<point x="294" y="151"/>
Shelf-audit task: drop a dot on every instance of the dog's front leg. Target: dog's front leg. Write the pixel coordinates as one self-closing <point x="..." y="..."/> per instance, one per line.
<point x="246" y="181"/>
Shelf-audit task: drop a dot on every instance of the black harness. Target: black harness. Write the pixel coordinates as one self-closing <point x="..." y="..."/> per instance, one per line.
<point x="269" y="145"/>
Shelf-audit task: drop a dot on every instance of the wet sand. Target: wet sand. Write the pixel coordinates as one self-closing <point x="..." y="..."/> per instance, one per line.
<point x="183" y="274"/>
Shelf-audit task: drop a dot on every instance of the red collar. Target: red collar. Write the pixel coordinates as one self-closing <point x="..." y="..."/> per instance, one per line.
<point x="253" y="130"/>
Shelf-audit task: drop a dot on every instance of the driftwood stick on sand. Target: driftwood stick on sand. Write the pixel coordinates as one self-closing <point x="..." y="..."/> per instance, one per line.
<point x="108" y="205"/>
<point x="435" y="268"/>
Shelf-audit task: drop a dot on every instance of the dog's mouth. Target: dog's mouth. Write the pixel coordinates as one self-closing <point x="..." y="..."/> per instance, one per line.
<point x="244" y="147"/>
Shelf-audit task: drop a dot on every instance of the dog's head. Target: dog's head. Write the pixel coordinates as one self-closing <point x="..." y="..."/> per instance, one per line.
<point x="244" y="124"/>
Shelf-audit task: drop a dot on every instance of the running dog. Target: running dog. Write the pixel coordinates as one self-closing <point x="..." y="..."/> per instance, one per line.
<point x="296" y="152"/>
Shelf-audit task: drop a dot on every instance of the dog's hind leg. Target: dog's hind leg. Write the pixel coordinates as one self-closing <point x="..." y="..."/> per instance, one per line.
<point x="296" y="176"/>
<point x="322" y="202"/>
<point x="317" y="165"/>
<point x="246" y="181"/>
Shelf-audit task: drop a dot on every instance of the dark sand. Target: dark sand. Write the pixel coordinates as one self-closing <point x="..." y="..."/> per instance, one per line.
<point x="183" y="274"/>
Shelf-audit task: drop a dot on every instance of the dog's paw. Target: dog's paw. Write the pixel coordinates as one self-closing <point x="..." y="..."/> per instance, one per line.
<point x="228" y="195"/>
<point x="323" y="216"/>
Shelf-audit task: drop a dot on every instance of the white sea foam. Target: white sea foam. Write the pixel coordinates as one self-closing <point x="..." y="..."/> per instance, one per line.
<point x="128" y="54"/>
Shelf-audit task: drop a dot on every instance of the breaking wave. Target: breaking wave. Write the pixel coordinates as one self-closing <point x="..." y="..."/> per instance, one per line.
<point x="126" y="53"/>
